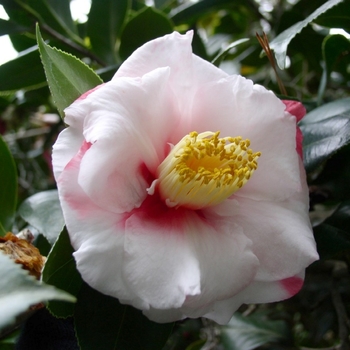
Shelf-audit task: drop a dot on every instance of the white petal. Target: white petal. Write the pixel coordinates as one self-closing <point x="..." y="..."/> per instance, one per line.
<point x="227" y="262"/>
<point x="96" y="235"/>
<point x="178" y="259"/>
<point x="159" y="264"/>
<point x="128" y="123"/>
<point x="187" y="71"/>
<point x="267" y="292"/>
<point x="236" y="107"/>
<point x="65" y="148"/>
<point x="281" y="234"/>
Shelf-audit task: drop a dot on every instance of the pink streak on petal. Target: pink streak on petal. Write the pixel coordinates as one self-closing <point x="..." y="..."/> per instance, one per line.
<point x="145" y="173"/>
<point x="87" y="93"/>
<point x="75" y="161"/>
<point x="295" y="108"/>
<point x="75" y="198"/>
<point x="292" y="285"/>
<point x="154" y="210"/>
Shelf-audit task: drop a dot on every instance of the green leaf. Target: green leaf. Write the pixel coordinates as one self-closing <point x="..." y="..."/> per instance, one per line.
<point x="333" y="235"/>
<point x="61" y="11"/>
<point x="19" y="290"/>
<point x="189" y="12"/>
<point x="334" y="50"/>
<point x="101" y="319"/>
<point x="250" y="332"/>
<point x="10" y="27"/>
<point x="161" y="3"/>
<point x="222" y="54"/>
<point x="337" y="17"/>
<point x="2" y="230"/>
<point x="60" y="271"/>
<point x="51" y="13"/>
<point x="281" y="42"/>
<point x="108" y="16"/>
<point x="8" y="188"/>
<point x="327" y="110"/>
<point x="9" y="341"/>
<point x="68" y="77"/>
<point x="322" y="139"/>
<point x="43" y="211"/>
<point x="23" y="72"/>
<point x="146" y="25"/>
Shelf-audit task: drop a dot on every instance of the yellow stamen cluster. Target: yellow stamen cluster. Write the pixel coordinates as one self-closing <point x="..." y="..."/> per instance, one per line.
<point x="203" y="170"/>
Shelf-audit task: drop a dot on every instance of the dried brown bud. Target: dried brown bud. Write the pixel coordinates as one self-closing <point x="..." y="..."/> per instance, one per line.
<point x="23" y="252"/>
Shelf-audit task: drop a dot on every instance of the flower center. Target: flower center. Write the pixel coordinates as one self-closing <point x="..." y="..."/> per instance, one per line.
<point x="203" y="170"/>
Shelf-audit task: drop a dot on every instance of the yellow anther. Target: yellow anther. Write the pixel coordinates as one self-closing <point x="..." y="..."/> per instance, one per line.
<point x="203" y="170"/>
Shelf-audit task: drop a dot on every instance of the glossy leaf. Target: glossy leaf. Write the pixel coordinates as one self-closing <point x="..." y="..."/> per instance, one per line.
<point x="222" y="54"/>
<point x="337" y="17"/>
<point x="24" y="72"/>
<point x="146" y="25"/>
<point x="68" y="77"/>
<point x="322" y="139"/>
<point x="251" y="332"/>
<point x="327" y="110"/>
<point x="335" y="47"/>
<point x="8" y="188"/>
<point x="10" y="27"/>
<point x="19" y="291"/>
<point x="17" y="14"/>
<point x="335" y="51"/>
<point x="43" y="211"/>
<point x="60" y="271"/>
<point x="161" y="3"/>
<point x="190" y="11"/>
<point x="52" y="13"/>
<point x="61" y="11"/>
<point x="108" y="16"/>
<point x="101" y="319"/>
<point x="280" y="44"/>
<point x="333" y="235"/>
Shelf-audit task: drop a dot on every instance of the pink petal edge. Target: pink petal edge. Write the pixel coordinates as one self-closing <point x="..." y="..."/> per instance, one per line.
<point x="298" y="110"/>
<point x="292" y="285"/>
<point x="87" y="93"/>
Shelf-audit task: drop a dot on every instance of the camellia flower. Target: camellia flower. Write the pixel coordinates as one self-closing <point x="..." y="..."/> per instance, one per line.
<point x="182" y="189"/>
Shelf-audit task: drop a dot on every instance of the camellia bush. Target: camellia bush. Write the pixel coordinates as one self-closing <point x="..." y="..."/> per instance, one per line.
<point x="175" y="175"/>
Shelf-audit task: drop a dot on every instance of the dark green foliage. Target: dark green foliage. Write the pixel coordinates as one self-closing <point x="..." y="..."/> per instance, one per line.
<point x="316" y="72"/>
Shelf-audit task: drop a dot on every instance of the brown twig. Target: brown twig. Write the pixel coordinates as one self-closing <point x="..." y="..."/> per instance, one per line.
<point x="264" y="42"/>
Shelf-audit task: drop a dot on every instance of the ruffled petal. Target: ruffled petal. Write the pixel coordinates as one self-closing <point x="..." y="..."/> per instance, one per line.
<point x="256" y="292"/>
<point x="187" y="71"/>
<point x="227" y="262"/>
<point x="179" y="259"/>
<point x="65" y="148"/>
<point x="176" y="263"/>
<point x="236" y="107"/>
<point x="128" y="123"/>
<point x="159" y="265"/>
<point x="96" y="234"/>
<point x="280" y="231"/>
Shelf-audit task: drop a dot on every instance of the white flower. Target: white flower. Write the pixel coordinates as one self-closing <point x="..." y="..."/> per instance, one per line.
<point x="169" y="215"/>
